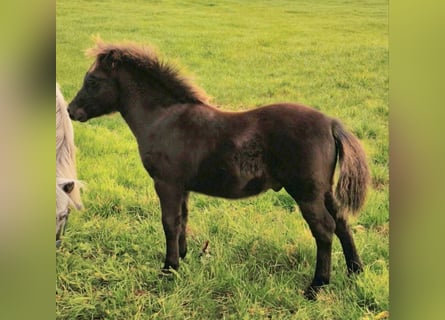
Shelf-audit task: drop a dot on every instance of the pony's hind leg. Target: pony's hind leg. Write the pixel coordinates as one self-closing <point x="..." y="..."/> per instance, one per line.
<point x="344" y="234"/>
<point x="183" y="232"/>
<point x="322" y="226"/>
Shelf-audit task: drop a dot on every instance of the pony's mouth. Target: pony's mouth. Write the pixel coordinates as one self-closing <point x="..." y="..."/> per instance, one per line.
<point x="82" y="119"/>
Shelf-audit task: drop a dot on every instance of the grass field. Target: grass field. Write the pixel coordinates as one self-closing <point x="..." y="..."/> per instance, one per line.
<point x="330" y="54"/>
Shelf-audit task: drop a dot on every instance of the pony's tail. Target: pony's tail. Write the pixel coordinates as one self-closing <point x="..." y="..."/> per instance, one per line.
<point x="354" y="175"/>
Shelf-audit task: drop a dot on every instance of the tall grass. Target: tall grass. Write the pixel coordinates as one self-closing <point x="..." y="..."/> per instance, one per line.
<point x="330" y="54"/>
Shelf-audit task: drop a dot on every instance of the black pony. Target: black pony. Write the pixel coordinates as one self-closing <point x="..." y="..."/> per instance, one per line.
<point x="188" y="145"/>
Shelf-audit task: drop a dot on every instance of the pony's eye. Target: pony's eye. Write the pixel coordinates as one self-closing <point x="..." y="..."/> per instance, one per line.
<point x="92" y="83"/>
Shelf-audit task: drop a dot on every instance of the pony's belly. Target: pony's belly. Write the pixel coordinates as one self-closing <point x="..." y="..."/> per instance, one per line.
<point x="233" y="175"/>
<point x="235" y="188"/>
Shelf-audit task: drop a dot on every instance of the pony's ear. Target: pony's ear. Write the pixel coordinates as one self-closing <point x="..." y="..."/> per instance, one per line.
<point x="107" y="60"/>
<point x="68" y="186"/>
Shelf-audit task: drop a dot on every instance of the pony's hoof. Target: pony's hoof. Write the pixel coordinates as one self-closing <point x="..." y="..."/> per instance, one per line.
<point x="311" y="293"/>
<point x="168" y="273"/>
<point x="355" y="268"/>
<point x="58" y="243"/>
<point x="165" y="272"/>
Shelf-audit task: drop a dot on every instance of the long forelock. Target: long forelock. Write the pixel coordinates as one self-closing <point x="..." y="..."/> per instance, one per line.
<point x="63" y="199"/>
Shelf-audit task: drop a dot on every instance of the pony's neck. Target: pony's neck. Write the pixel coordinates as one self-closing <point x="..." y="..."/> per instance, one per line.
<point x="156" y="89"/>
<point x="142" y="106"/>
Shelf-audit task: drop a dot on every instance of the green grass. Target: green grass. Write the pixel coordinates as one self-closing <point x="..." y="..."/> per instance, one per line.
<point x="333" y="55"/>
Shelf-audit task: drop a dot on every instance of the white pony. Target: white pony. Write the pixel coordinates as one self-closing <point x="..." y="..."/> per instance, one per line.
<point x="67" y="185"/>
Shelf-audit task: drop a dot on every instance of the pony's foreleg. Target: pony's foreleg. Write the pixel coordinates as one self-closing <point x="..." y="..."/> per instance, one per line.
<point x="170" y="197"/>
<point x="183" y="232"/>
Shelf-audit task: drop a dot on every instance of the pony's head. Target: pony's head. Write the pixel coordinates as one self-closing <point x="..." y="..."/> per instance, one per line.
<point x="107" y="82"/>
<point x="99" y="94"/>
<point x="63" y="204"/>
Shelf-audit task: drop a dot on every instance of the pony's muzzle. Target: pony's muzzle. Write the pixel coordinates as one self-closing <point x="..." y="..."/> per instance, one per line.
<point x="77" y="114"/>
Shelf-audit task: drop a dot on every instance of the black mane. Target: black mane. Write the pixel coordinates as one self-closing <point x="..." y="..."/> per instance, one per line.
<point x="145" y="59"/>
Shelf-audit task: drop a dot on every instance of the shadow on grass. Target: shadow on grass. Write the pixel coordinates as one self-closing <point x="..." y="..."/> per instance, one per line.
<point x="260" y="258"/>
<point x="285" y="201"/>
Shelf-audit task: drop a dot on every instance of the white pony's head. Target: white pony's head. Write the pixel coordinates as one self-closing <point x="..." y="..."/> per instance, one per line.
<point x="63" y="205"/>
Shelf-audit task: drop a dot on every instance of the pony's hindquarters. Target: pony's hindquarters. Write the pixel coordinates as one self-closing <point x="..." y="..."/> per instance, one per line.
<point x="306" y="147"/>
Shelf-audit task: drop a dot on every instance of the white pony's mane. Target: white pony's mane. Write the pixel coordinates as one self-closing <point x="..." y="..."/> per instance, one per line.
<point x="65" y="148"/>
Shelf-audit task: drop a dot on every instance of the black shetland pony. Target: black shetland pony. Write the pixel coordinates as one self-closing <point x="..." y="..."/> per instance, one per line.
<point x="188" y="145"/>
